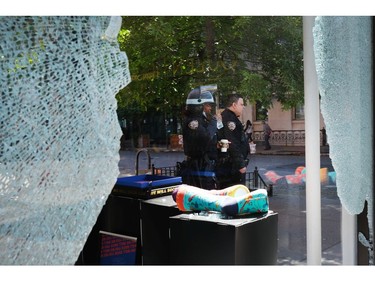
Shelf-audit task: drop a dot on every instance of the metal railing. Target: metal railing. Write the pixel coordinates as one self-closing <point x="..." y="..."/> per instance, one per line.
<point x="137" y="161"/>
<point x="287" y="137"/>
<point x="282" y="137"/>
<point x="253" y="179"/>
<point x="164" y="171"/>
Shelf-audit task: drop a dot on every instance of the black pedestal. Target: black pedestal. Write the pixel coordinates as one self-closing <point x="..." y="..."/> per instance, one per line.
<point x="155" y="215"/>
<point x="210" y="240"/>
<point x="120" y="215"/>
<point x="123" y="216"/>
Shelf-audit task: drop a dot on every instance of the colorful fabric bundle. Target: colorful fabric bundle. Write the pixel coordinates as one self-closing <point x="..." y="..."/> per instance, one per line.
<point x="232" y="201"/>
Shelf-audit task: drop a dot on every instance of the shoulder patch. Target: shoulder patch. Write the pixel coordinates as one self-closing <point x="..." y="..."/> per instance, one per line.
<point x="231" y="126"/>
<point x="193" y="124"/>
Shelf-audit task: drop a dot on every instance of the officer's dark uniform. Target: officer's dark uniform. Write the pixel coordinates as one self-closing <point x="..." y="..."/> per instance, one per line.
<point x="210" y="123"/>
<point x="199" y="139"/>
<point x="199" y="166"/>
<point x="229" y="163"/>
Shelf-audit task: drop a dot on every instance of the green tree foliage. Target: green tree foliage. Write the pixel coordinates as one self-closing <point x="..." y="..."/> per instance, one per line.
<point x="275" y="56"/>
<point x="260" y="57"/>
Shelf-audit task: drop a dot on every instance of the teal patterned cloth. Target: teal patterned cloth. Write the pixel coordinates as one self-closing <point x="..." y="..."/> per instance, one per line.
<point x="190" y="198"/>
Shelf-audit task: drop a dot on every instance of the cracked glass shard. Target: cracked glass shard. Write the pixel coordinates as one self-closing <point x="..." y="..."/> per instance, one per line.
<point x="60" y="137"/>
<point x="343" y="57"/>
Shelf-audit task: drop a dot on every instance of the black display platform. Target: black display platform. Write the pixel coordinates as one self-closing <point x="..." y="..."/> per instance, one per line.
<point x="119" y="215"/>
<point x="123" y="217"/>
<point x="166" y="236"/>
<point x="146" y="220"/>
<point x="211" y="240"/>
<point x="155" y="214"/>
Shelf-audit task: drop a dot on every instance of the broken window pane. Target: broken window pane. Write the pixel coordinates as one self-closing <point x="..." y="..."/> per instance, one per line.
<point x="59" y="135"/>
<point x="343" y="48"/>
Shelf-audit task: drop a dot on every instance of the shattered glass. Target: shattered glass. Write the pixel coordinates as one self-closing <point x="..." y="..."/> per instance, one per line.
<point x="343" y="56"/>
<point x="59" y="137"/>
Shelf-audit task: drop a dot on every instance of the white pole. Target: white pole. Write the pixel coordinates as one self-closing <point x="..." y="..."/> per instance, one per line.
<point x="348" y="237"/>
<point x="312" y="147"/>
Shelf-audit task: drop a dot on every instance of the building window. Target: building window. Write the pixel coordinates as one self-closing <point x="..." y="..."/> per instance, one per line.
<point x="261" y="112"/>
<point x="299" y="112"/>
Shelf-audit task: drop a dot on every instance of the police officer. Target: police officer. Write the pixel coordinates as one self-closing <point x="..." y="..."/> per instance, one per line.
<point x="213" y="123"/>
<point x="231" y="167"/>
<point x="199" y="141"/>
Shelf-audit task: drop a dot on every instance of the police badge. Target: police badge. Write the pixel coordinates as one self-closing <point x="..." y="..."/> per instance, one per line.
<point x="193" y="124"/>
<point x="231" y="126"/>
